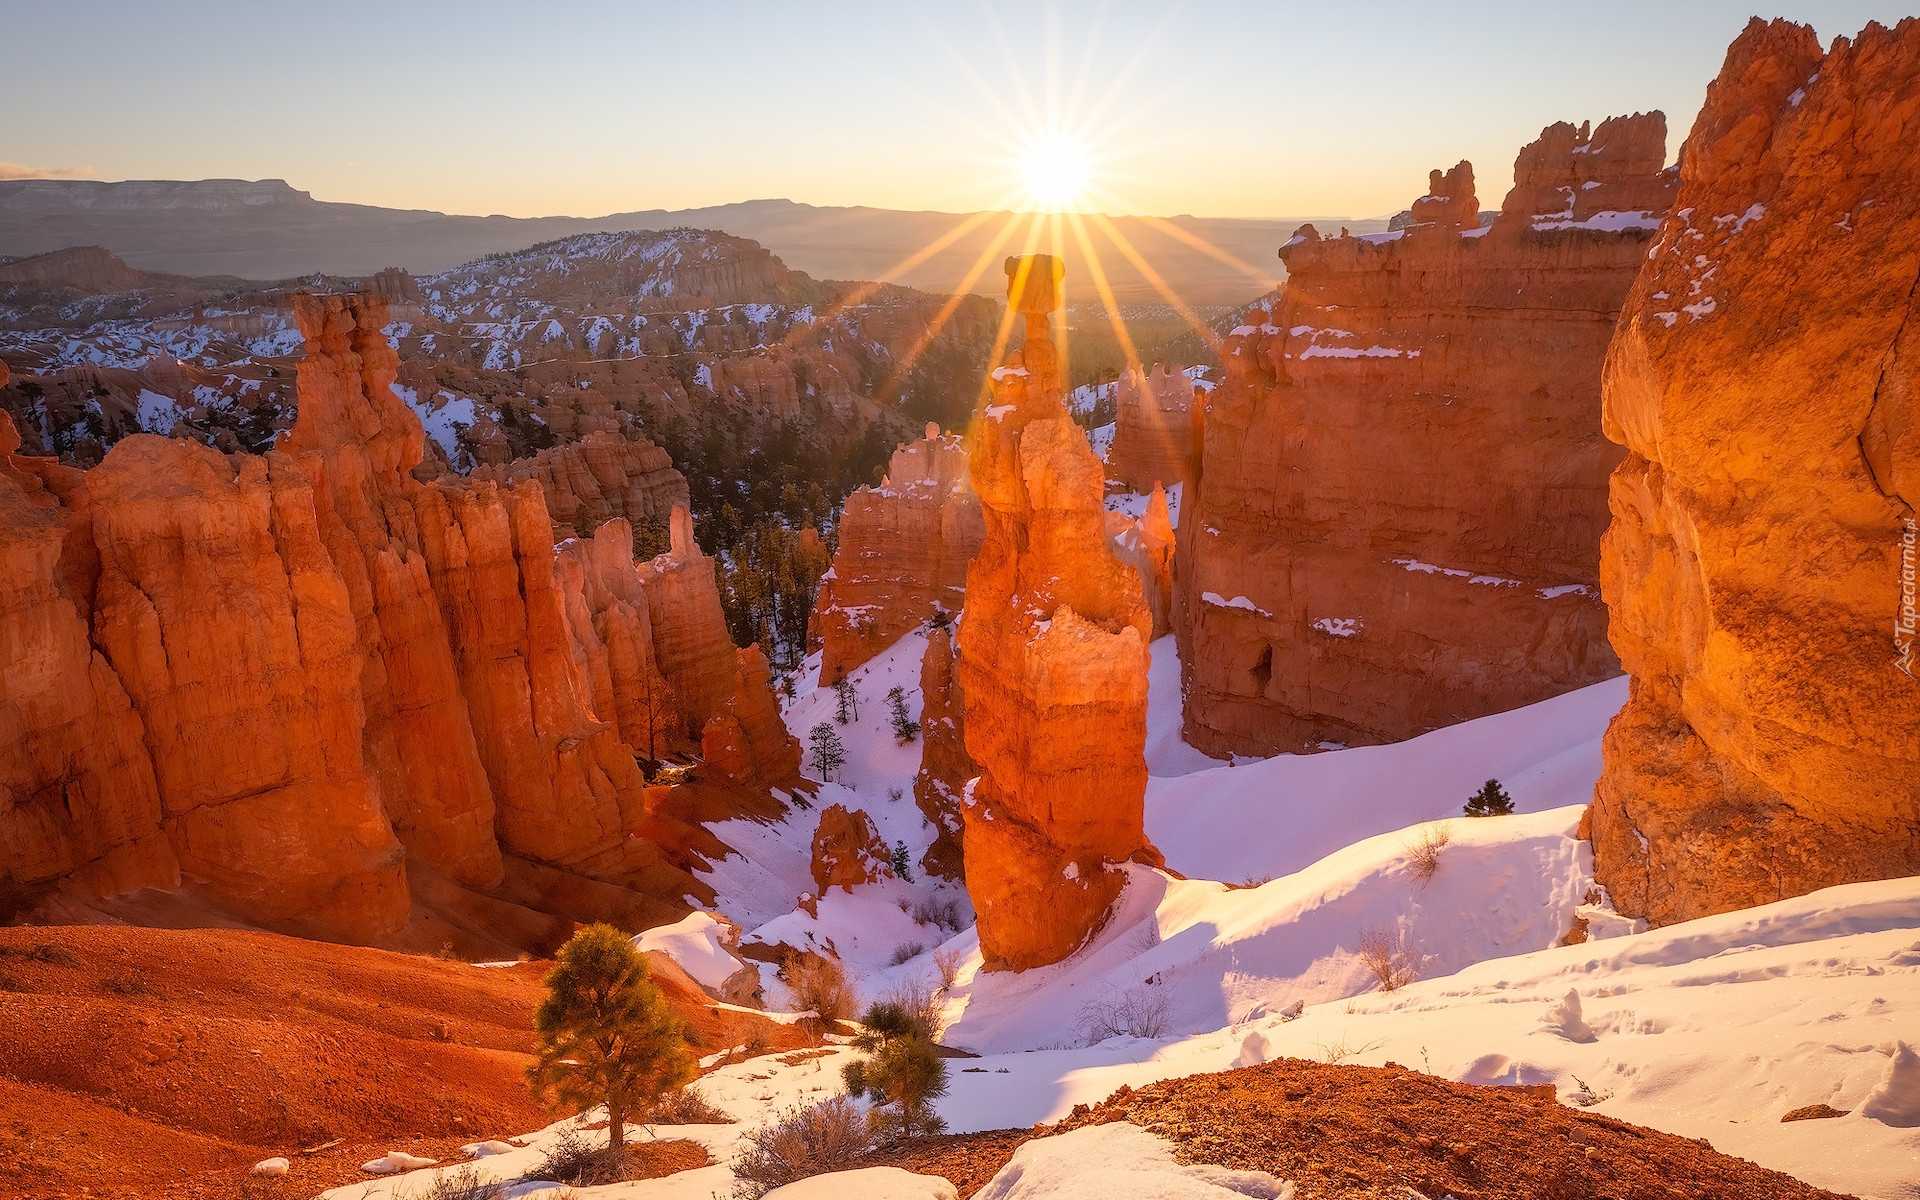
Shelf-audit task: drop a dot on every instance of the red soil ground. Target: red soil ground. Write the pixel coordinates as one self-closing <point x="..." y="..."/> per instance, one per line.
<point x="164" y="1063"/>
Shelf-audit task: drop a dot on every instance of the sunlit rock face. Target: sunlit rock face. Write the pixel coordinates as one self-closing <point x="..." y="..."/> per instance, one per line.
<point x="1760" y="566"/>
<point x="283" y="682"/>
<point x="1403" y="483"/>
<point x="1053" y="665"/>
<point x="1153" y="429"/>
<point x="903" y="554"/>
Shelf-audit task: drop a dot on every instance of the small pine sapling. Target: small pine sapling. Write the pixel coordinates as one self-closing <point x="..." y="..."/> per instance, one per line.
<point x="902" y="1073"/>
<point x="605" y="1033"/>
<point x="905" y="728"/>
<point x="846" y="701"/>
<point x="828" y="753"/>
<point x="902" y="862"/>
<point x="1490" y="801"/>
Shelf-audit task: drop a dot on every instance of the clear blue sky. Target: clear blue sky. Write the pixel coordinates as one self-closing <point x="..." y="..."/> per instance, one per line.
<point x="584" y="108"/>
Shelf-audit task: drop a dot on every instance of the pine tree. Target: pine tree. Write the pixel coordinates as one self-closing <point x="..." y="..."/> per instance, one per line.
<point x="846" y="701"/>
<point x="605" y="1033"/>
<point x="905" y="728"/>
<point x="902" y="1072"/>
<point x="828" y="754"/>
<point x="902" y="862"/>
<point x="1490" y="801"/>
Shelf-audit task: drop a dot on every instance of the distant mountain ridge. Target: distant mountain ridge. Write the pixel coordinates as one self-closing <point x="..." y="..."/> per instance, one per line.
<point x="267" y="229"/>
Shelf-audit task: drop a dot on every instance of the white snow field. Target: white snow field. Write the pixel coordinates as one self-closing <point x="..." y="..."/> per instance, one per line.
<point x="1710" y="1029"/>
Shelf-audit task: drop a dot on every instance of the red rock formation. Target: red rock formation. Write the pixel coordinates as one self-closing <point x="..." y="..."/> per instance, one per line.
<point x="1450" y="202"/>
<point x="1402" y="489"/>
<point x="1053" y="663"/>
<point x="1760" y="567"/>
<point x="1146" y="544"/>
<point x="847" y="850"/>
<point x="598" y="479"/>
<point x="903" y="554"/>
<point x="246" y="675"/>
<point x="1152" y="430"/>
<point x="708" y="676"/>
<point x="944" y="765"/>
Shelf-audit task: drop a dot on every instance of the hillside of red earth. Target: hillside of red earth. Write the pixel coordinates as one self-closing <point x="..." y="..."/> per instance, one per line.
<point x="165" y="1063"/>
<point x="1373" y="1133"/>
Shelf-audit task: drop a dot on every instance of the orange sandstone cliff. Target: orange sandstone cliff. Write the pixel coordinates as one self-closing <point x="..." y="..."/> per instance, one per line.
<point x="1760" y="568"/>
<point x="903" y="553"/>
<point x="301" y="687"/>
<point x="1403" y="482"/>
<point x="1053" y="664"/>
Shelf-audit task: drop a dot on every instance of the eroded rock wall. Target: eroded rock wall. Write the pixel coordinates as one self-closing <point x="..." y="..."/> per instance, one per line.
<point x="903" y="553"/>
<point x="1153" y="429"/>
<point x="274" y="680"/>
<point x="1760" y="566"/>
<point x="1403" y="479"/>
<point x="1053" y="663"/>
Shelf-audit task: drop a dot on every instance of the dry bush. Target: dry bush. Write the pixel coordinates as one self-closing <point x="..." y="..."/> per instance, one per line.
<point x="819" y="983"/>
<point x="1423" y="850"/>
<point x="940" y="912"/>
<point x="462" y="1184"/>
<point x="580" y="1161"/>
<point x="906" y="952"/>
<point x="1341" y="1050"/>
<point x="1137" y="1012"/>
<point x="948" y="963"/>
<point x="922" y="1006"/>
<point x="684" y="1106"/>
<point x="799" y="1144"/>
<point x="1388" y="957"/>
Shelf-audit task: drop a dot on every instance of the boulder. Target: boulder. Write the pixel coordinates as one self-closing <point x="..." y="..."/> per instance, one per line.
<point x="847" y="850"/>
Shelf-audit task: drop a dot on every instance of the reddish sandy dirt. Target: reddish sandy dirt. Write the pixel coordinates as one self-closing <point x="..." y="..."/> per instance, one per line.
<point x="164" y="1063"/>
<point x="1363" y="1133"/>
<point x="1366" y="1133"/>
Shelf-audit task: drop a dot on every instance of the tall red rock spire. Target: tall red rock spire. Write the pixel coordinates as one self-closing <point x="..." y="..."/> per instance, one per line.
<point x="1053" y="665"/>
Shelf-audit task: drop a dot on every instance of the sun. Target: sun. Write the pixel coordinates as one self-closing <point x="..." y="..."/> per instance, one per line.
<point x="1055" y="170"/>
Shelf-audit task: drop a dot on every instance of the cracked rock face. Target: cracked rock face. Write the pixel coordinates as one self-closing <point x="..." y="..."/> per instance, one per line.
<point x="1758" y="569"/>
<point x="1403" y="480"/>
<point x="1053" y="665"/>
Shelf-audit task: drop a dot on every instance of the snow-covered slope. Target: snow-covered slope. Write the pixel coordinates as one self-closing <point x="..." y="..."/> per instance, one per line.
<point x="1276" y="815"/>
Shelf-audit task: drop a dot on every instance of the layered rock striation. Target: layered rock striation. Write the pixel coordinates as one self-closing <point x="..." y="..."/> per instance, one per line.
<point x="1403" y="481"/>
<point x="1053" y="665"/>
<point x="1760" y="568"/>
<point x="902" y="556"/>
<point x="291" y="684"/>
<point x="597" y="479"/>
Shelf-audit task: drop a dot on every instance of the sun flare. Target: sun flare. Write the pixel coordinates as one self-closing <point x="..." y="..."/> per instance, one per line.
<point x="1055" y="170"/>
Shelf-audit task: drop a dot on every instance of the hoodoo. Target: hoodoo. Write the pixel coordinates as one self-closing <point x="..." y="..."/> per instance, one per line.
<point x="1761" y="562"/>
<point x="301" y="686"/>
<point x="903" y="553"/>
<point x="1053" y="665"/>
<point x="1403" y="482"/>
